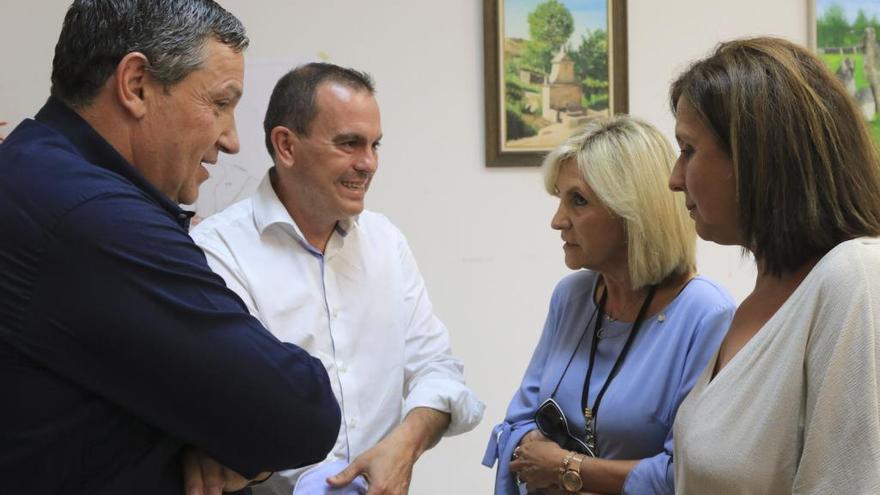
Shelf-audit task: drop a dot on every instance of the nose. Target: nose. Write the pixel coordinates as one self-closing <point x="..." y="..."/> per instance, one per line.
<point x="559" y="221"/>
<point x="368" y="161"/>
<point x="228" y="141"/>
<point x="676" y="179"/>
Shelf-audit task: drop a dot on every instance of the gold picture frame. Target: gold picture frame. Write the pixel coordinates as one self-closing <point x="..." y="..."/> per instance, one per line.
<point x="532" y="102"/>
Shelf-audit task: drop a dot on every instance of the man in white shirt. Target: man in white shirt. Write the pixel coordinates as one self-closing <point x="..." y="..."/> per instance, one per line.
<point x="341" y="282"/>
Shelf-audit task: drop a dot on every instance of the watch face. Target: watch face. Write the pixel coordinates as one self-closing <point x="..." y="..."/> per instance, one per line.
<point x="571" y="481"/>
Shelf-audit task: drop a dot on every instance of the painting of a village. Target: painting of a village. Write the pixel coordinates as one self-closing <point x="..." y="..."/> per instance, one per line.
<point x="846" y="39"/>
<point x="555" y="69"/>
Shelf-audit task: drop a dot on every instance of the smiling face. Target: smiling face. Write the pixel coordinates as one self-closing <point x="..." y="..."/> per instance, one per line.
<point x="704" y="172"/>
<point x="190" y="123"/>
<point x="594" y="237"/>
<point x="334" y="164"/>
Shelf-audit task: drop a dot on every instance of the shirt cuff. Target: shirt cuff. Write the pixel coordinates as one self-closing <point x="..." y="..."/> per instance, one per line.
<point x="447" y="396"/>
<point x="653" y="475"/>
<point x="505" y="437"/>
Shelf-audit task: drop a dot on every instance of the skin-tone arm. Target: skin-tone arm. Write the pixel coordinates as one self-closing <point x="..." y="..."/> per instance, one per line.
<point x="2" y="137"/>
<point x="539" y="460"/>
<point x="202" y="475"/>
<point x="388" y="465"/>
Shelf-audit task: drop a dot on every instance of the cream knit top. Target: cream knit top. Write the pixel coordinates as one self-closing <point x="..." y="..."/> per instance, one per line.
<point x="796" y="410"/>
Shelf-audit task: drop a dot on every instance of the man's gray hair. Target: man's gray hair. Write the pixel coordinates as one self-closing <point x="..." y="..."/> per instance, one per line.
<point x="97" y="34"/>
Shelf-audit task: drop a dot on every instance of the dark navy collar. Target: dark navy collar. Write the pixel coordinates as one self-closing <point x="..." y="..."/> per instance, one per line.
<point x="97" y="151"/>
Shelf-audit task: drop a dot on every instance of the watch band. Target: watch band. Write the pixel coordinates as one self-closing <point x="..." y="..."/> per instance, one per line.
<point x="565" y="462"/>
<point x="570" y="473"/>
<point x="579" y="459"/>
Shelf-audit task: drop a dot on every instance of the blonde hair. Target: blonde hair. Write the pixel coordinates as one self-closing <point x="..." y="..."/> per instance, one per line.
<point x="627" y="163"/>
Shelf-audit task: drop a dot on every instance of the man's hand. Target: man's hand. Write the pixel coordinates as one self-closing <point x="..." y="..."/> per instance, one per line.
<point x="203" y="475"/>
<point x="2" y="123"/>
<point x="388" y="465"/>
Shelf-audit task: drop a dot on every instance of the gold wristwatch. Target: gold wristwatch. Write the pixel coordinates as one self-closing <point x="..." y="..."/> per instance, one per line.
<point x="570" y="473"/>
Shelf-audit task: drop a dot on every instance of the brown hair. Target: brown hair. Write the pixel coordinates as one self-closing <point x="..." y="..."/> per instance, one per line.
<point x="293" y="103"/>
<point x="807" y="171"/>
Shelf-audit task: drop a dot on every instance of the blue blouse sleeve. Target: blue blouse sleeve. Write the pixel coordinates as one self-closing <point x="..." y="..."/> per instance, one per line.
<point x="519" y="419"/>
<point x="655" y="475"/>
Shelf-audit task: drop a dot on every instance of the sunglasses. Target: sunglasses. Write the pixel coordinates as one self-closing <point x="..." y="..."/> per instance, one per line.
<point x="552" y="423"/>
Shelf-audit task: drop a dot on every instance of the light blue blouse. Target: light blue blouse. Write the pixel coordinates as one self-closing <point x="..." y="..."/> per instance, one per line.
<point x="636" y="415"/>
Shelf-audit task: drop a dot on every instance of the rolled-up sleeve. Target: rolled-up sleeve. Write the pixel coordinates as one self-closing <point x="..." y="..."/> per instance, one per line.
<point x="433" y="377"/>
<point x="519" y="419"/>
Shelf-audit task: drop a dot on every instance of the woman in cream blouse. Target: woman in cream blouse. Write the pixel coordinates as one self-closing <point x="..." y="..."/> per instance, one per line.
<point x="776" y="158"/>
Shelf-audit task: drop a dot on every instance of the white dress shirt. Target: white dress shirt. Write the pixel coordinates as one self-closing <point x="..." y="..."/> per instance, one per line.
<point x="361" y="307"/>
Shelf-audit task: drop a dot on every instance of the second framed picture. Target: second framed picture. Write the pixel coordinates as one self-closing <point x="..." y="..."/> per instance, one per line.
<point x="845" y="36"/>
<point x="550" y="65"/>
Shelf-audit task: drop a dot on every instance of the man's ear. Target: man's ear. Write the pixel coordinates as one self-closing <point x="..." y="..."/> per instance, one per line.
<point x="284" y="142"/>
<point x="131" y="81"/>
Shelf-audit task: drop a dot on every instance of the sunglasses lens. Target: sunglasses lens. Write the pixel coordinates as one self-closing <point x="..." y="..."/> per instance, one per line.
<point x="551" y="422"/>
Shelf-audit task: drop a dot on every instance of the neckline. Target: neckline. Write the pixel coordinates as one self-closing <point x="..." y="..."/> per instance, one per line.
<point x="763" y="332"/>
<point x="665" y="309"/>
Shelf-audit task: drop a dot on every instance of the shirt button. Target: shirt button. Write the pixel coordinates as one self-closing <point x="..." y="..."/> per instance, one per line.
<point x="661" y="317"/>
<point x="343" y="368"/>
<point x="334" y="314"/>
<point x="352" y="423"/>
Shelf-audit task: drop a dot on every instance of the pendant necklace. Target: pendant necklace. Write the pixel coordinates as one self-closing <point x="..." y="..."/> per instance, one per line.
<point x="590" y="413"/>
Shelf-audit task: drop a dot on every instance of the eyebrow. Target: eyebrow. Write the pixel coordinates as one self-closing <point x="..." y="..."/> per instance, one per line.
<point x="233" y="91"/>
<point x="683" y="136"/>
<point x="350" y="136"/>
<point x="353" y="136"/>
<point x="575" y="188"/>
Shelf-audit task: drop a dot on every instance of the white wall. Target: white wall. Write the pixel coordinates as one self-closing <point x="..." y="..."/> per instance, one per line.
<point x="481" y="235"/>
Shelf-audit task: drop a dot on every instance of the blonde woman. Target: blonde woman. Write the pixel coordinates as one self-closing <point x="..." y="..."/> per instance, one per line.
<point x="627" y="333"/>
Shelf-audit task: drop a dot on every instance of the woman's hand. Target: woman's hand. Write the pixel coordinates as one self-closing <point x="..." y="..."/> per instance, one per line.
<point x="533" y="436"/>
<point x="536" y="462"/>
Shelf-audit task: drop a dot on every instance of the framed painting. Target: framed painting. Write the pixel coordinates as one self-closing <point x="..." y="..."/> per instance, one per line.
<point x="844" y="34"/>
<point x="550" y="65"/>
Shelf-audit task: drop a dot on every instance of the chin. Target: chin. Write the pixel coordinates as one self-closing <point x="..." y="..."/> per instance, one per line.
<point x="188" y="197"/>
<point x="712" y="235"/>
<point x="573" y="264"/>
<point x="352" y="210"/>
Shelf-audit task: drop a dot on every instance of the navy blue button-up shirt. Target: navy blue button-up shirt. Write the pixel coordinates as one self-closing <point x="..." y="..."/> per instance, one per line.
<point x="118" y="345"/>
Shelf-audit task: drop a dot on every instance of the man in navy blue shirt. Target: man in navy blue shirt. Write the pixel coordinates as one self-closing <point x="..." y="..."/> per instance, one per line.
<point x="123" y="357"/>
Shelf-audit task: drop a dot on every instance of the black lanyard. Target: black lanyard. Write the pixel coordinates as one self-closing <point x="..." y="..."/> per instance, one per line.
<point x="623" y="352"/>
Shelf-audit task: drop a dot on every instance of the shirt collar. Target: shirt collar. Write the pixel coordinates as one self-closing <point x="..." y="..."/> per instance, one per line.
<point x="97" y="151"/>
<point x="269" y="210"/>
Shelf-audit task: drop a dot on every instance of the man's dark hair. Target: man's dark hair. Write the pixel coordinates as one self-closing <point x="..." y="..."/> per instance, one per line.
<point x="97" y="34"/>
<point x="292" y="103"/>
